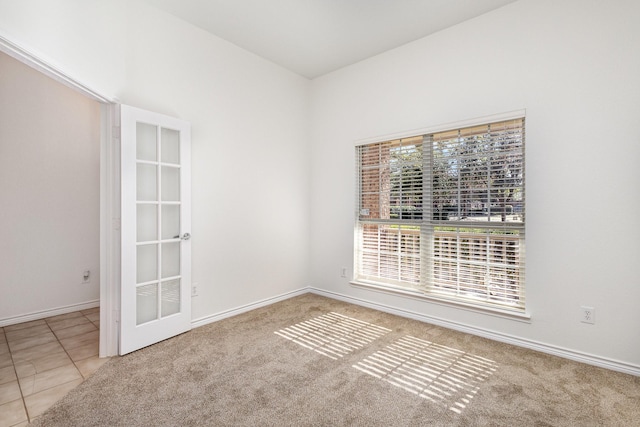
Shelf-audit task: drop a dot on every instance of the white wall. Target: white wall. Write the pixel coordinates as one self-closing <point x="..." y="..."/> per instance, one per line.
<point x="249" y="132"/>
<point x="49" y="193"/>
<point x="574" y="66"/>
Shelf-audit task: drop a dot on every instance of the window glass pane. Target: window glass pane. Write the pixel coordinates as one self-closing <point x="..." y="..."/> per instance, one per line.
<point x="478" y="264"/>
<point x="391" y="252"/>
<point x="478" y="174"/>
<point x="391" y="180"/>
<point x="406" y="180"/>
<point x="444" y="213"/>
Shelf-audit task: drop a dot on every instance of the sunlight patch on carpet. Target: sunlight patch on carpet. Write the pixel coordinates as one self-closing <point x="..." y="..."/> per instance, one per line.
<point x="441" y="374"/>
<point x="333" y="335"/>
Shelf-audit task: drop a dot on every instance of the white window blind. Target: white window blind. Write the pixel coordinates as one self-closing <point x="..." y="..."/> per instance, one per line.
<point x="443" y="214"/>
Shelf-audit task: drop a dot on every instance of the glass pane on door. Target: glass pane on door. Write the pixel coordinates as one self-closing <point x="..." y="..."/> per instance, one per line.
<point x="146" y="142"/>
<point x="170" y="184"/>
<point x="170" y="146"/>
<point x="170" y="259"/>
<point x="157" y="218"/>
<point x="147" y="183"/>
<point x="146" y="303"/>
<point x="147" y="263"/>
<point x="170" y="298"/>
<point x="170" y="221"/>
<point x="147" y="222"/>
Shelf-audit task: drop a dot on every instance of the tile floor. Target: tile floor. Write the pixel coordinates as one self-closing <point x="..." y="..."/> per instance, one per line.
<point x="42" y="360"/>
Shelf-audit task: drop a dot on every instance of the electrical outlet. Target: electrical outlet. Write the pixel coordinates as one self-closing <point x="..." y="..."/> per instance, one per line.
<point x="343" y="272"/>
<point x="194" y="289"/>
<point x="86" y="276"/>
<point x="587" y="315"/>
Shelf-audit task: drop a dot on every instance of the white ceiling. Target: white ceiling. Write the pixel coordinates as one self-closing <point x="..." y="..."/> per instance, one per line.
<point x="315" y="37"/>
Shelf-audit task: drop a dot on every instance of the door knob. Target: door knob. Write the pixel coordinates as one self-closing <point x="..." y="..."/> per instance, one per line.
<point x="186" y="236"/>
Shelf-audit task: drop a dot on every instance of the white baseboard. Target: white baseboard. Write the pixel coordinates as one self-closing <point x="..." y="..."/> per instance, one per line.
<point x="577" y="356"/>
<point x="248" y="307"/>
<point x="7" y="321"/>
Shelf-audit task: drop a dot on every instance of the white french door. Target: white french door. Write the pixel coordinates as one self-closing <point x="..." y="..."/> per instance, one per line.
<point x="156" y="225"/>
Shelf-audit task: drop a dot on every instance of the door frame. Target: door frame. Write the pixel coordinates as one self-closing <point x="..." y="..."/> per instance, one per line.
<point x="109" y="192"/>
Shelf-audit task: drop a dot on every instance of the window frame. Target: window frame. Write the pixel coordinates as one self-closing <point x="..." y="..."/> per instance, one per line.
<point x="428" y="224"/>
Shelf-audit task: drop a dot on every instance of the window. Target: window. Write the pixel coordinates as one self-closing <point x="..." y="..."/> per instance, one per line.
<point x="442" y="214"/>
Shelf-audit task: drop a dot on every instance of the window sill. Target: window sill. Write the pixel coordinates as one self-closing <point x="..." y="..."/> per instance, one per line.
<point x="448" y="302"/>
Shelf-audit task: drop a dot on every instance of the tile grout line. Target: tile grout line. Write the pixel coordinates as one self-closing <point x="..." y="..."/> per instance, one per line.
<point x="11" y="353"/>
<point x="65" y="349"/>
<point x="29" y="418"/>
<point x="15" y="371"/>
<point x="66" y="352"/>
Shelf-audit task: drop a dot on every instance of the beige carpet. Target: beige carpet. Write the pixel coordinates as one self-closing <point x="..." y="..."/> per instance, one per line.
<point x="312" y="361"/>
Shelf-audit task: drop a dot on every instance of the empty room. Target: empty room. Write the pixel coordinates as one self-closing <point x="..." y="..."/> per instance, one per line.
<point x="319" y="212"/>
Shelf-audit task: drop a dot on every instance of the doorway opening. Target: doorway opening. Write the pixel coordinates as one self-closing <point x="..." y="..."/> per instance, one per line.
<point x="109" y="208"/>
